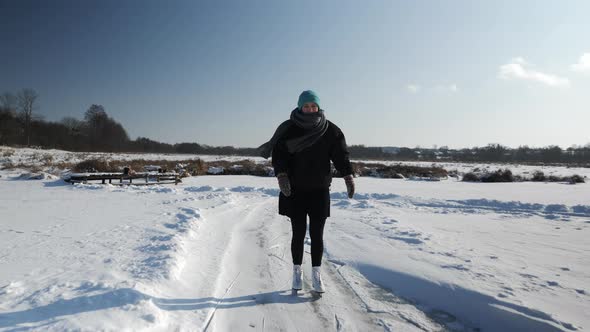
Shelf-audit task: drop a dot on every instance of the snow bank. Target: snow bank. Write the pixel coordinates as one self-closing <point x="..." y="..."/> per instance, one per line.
<point x="213" y="252"/>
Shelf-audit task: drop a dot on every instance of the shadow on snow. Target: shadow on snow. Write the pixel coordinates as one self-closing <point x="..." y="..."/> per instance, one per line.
<point x="484" y="311"/>
<point x="124" y="296"/>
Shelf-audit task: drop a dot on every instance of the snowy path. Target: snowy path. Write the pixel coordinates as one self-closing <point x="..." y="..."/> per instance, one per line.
<point x="247" y="265"/>
<point x="212" y="254"/>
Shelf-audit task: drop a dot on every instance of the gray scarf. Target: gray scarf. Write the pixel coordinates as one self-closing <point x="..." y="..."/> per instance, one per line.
<point x="314" y="125"/>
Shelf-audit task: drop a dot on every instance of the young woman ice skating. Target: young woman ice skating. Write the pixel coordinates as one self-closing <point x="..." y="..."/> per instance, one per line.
<point x="302" y="148"/>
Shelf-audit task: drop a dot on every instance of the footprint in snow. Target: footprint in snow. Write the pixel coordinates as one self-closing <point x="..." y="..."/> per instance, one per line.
<point x="342" y="203"/>
<point x="459" y="267"/>
<point x="412" y="234"/>
<point x="155" y="247"/>
<point x="363" y="205"/>
<point x="191" y="212"/>
<point x="408" y="240"/>
<point x="161" y="238"/>
<point x="182" y="218"/>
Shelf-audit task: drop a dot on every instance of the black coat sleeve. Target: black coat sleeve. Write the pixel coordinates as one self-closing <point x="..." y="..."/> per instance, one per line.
<point x="339" y="153"/>
<point x="280" y="157"/>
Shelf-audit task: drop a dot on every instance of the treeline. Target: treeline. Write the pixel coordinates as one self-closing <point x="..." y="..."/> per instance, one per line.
<point x="22" y="125"/>
<point x="143" y="144"/>
<point x="490" y="153"/>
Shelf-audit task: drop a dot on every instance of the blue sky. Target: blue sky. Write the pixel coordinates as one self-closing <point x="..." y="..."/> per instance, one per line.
<point x="389" y="73"/>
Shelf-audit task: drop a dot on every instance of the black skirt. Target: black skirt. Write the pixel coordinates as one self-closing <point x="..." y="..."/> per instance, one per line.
<point x="315" y="203"/>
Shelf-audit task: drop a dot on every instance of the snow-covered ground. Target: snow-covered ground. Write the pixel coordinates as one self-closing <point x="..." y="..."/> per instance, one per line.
<point x="213" y="254"/>
<point x="37" y="157"/>
<point x="522" y="170"/>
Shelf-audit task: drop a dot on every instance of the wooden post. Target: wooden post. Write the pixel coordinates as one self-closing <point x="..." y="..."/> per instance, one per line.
<point x="103" y="181"/>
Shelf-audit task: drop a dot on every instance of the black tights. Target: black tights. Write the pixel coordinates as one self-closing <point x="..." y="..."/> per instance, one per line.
<point x="316" y="233"/>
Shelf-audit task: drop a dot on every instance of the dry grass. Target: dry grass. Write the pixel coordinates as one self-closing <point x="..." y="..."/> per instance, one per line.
<point x="7" y="166"/>
<point x="507" y="176"/>
<point x="242" y="167"/>
<point x="36" y="169"/>
<point x="47" y="159"/>
<point x="398" y="171"/>
<point x="246" y="167"/>
<point x="8" y="153"/>
<point x="191" y="166"/>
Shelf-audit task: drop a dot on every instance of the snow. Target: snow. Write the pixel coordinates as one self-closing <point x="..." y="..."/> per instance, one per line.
<point x="35" y="157"/>
<point x="38" y="157"/>
<point x="211" y="253"/>
<point x="522" y="170"/>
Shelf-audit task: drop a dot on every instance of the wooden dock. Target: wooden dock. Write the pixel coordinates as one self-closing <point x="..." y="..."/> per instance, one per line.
<point x="142" y="178"/>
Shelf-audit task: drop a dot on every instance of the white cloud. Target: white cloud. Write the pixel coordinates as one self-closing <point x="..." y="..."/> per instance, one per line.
<point x="520" y="69"/>
<point x="413" y="88"/>
<point x="583" y="64"/>
<point x="520" y="60"/>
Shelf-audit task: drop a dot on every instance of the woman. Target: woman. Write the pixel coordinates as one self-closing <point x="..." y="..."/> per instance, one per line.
<point x="302" y="148"/>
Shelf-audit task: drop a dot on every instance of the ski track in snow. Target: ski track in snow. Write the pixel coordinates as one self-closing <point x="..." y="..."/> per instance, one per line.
<point x="218" y="259"/>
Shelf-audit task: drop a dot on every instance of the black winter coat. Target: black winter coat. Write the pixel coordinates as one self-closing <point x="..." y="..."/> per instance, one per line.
<point x="310" y="171"/>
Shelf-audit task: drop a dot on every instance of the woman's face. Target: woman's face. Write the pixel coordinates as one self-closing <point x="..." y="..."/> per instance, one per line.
<point x="310" y="108"/>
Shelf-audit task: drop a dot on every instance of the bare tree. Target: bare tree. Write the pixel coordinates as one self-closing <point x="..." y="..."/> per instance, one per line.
<point x="95" y="119"/>
<point x="26" y="105"/>
<point x="8" y="123"/>
<point x="73" y="125"/>
<point x="8" y="102"/>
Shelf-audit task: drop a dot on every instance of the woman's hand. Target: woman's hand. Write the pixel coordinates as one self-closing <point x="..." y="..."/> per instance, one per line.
<point x="284" y="184"/>
<point x="349" y="181"/>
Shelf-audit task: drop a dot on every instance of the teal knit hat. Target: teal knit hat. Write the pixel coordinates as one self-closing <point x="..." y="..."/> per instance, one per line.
<point x="308" y="96"/>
